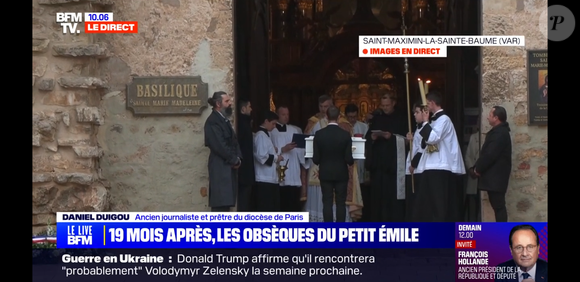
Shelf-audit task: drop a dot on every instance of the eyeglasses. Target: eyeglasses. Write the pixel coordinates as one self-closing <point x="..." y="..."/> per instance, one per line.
<point x="529" y="248"/>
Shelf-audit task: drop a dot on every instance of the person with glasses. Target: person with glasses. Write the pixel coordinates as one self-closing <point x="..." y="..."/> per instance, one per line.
<point x="525" y="249"/>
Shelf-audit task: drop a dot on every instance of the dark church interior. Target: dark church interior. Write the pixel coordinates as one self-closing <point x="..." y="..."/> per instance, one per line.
<point x="289" y="52"/>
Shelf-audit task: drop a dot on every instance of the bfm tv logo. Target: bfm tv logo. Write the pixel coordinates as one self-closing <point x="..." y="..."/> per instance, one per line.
<point x="82" y="234"/>
<point x="94" y="23"/>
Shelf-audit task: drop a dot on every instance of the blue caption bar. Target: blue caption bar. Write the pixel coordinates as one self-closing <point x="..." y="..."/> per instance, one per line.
<point x="255" y="235"/>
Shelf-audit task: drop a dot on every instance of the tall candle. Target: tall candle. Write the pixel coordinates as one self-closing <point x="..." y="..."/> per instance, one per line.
<point x="426" y="88"/>
<point x="423" y="99"/>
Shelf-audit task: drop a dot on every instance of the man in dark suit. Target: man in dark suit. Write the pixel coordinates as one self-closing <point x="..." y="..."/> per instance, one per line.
<point x="525" y="248"/>
<point x="246" y="176"/>
<point x="225" y="156"/>
<point x="332" y="152"/>
<point x="494" y="165"/>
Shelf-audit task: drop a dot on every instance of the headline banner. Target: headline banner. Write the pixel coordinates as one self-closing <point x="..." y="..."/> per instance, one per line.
<point x="254" y="235"/>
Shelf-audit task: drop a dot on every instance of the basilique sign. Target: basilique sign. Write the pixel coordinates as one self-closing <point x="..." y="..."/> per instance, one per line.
<point x="167" y="95"/>
<point x="538" y="87"/>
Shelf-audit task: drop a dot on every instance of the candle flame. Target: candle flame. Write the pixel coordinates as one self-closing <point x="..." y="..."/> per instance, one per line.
<point x="428" y="81"/>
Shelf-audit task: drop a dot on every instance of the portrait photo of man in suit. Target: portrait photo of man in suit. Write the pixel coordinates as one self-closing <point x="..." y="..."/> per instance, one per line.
<point x="525" y="249"/>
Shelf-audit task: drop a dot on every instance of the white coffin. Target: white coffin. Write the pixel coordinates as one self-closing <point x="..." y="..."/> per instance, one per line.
<point x="358" y="148"/>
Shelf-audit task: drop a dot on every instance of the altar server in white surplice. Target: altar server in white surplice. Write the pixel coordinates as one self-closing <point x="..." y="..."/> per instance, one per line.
<point x="439" y="166"/>
<point x="413" y="178"/>
<point x="266" y="159"/>
<point x="293" y="158"/>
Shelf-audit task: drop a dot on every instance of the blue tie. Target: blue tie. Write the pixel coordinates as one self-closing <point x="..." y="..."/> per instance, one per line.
<point x="526" y="275"/>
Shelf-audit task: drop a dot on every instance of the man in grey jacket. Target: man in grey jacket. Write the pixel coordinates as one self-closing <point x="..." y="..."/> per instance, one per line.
<point x="225" y="156"/>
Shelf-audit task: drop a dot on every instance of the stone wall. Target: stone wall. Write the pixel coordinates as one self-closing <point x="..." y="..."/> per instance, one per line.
<point x="89" y="152"/>
<point x="160" y="163"/>
<point x="66" y="94"/>
<point x="504" y="83"/>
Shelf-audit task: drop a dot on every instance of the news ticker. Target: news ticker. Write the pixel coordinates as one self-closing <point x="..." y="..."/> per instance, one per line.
<point x="263" y="230"/>
<point x="480" y="248"/>
<point x="94" y="23"/>
<point x="239" y="265"/>
<point x="381" y="46"/>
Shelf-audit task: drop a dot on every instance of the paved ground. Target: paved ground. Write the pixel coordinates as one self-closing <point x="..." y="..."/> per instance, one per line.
<point x="391" y="265"/>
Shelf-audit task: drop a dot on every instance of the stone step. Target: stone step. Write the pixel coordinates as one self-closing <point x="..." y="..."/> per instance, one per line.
<point x="82" y="82"/>
<point x="80" y="50"/>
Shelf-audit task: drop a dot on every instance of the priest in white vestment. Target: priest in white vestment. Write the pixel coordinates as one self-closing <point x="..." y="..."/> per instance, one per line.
<point x="360" y="129"/>
<point x="440" y="164"/>
<point x="293" y="158"/>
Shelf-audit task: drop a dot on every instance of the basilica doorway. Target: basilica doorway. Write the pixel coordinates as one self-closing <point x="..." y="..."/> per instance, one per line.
<point x="289" y="52"/>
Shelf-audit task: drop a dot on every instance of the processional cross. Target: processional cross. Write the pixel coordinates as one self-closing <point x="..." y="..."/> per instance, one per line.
<point x="422" y="88"/>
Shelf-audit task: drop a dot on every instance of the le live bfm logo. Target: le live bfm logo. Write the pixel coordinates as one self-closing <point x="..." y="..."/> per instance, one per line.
<point x="94" y="23"/>
<point x="82" y="234"/>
